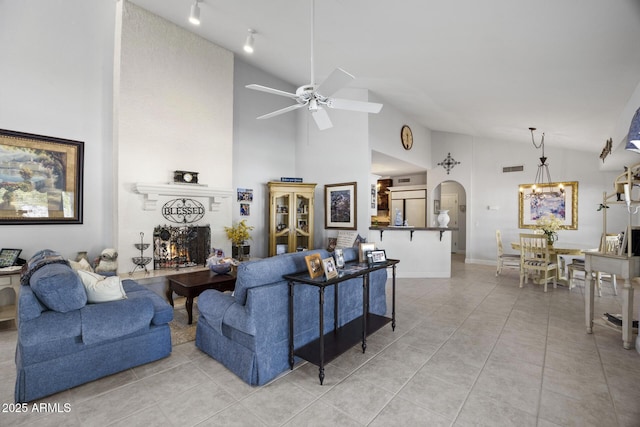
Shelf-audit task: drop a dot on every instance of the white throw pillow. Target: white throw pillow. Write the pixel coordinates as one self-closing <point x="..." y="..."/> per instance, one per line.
<point x="100" y="288"/>
<point x="83" y="264"/>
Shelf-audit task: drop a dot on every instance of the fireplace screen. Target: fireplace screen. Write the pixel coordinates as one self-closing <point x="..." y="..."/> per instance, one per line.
<point x="175" y="247"/>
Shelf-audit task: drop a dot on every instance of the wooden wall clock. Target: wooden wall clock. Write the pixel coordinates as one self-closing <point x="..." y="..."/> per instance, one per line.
<point x="406" y="137"/>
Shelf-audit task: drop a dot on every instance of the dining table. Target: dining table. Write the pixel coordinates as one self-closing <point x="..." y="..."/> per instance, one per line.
<point x="560" y="249"/>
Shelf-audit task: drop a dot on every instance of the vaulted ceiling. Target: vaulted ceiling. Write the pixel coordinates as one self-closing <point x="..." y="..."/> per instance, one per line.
<point x="490" y="68"/>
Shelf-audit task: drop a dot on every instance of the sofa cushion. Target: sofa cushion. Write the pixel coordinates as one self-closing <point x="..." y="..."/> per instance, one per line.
<point x="115" y="319"/>
<point x="100" y="288"/>
<point x="58" y="287"/>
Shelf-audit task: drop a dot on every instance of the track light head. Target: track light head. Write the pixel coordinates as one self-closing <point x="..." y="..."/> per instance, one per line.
<point x="248" y="44"/>
<point x="194" y="16"/>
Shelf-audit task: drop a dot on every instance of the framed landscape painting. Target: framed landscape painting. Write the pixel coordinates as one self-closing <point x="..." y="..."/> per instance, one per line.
<point x="40" y="179"/>
<point x="340" y="208"/>
<point x="557" y="198"/>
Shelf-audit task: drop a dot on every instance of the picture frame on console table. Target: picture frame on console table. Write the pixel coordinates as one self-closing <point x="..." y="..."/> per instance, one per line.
<point x="40" y="179"/>
<point x="340" y="206"/>
<point x="314" y="265"/>
<point x="560" y="199"/>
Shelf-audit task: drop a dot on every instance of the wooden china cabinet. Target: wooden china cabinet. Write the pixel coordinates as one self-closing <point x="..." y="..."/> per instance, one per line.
<point x="290" y="217"/>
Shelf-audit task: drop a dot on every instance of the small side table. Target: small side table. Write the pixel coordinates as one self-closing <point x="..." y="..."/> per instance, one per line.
<point x="190" y="285"/>
<point x="10" y="279"/>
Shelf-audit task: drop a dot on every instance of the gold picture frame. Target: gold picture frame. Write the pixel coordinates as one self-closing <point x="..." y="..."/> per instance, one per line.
<point x="561" y="200"/>
<point x="314" y="265"/>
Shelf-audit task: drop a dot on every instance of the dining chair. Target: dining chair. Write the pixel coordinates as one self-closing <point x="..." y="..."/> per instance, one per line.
<point x="503" y="259"/>
<point x="609" y="244"/>
<point x="535" y="257"/>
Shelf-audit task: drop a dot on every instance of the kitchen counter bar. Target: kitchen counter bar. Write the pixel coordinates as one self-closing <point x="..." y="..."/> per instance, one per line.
<point x="424" y="251"/>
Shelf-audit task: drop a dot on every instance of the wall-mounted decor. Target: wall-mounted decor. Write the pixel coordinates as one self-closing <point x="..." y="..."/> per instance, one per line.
<point x="245" y="209"/>
<point x="183" y="211"/>
<point x="40" y="179"/>
<point x="557" y="198"/>
<point x="448" y="163"/>
<point x="245" y="195"/>
<point x="340" y="206"/>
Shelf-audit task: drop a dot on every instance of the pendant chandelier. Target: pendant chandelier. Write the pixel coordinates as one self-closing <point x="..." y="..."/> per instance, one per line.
<point x="543" y="187"/>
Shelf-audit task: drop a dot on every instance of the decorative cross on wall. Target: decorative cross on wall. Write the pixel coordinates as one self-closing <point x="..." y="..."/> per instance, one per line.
<point x="448" y="163"/>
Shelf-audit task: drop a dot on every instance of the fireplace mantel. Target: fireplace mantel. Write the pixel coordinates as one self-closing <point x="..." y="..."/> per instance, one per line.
<point x="151" y="193"/>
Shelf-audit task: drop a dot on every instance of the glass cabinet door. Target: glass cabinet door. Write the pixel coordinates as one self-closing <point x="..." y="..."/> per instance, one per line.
<point x="302" y="222"/>
<point x="282" y="224"/>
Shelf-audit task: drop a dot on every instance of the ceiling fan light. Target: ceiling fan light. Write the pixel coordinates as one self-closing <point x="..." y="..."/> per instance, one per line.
<point x="248" y="44"/>
<point x="194" y="16"/>
<point x="633" y="138"/>
<point x="313" y="105"/>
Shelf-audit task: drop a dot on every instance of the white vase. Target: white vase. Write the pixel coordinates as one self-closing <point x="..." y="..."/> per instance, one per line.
<point x="443" y="218"/>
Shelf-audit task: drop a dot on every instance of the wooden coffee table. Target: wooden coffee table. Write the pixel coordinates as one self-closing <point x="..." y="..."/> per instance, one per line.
<point x="190" y="285"/>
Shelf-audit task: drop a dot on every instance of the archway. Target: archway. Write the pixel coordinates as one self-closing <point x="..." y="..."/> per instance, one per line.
<point x="452" y="196"/>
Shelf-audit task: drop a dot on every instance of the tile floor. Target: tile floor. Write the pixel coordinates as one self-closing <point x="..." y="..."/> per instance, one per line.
<point x="470" y="350"/>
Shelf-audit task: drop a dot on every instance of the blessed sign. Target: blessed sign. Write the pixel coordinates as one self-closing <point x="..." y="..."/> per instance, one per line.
<point x="183" y="211"/>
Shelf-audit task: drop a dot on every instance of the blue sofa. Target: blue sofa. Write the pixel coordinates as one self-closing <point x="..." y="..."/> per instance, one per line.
<point x="63" y="341"/>
<point x="248" y="332"/>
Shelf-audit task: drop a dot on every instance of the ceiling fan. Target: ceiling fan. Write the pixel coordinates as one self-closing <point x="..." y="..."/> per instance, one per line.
<point x="316" y="97"/>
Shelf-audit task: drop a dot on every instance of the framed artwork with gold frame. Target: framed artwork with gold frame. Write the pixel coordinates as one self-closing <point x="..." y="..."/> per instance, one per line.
<point x="557" y="198"/>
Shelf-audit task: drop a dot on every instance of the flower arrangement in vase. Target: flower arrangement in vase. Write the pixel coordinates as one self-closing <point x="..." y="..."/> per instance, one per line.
<point x="549" y="224"/>
<point x="239" y="234"/>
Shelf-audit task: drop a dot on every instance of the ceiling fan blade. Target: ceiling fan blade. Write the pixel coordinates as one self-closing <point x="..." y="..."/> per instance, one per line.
<point x="282" y="111"/>
<point x="322" y="119"/>
<point x="351" y="105"/>
<point x="338" y="79"/>
<point x="272" y="91"/>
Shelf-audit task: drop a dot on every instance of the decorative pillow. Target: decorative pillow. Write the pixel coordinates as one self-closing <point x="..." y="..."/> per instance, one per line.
<point x="83" y="264"/>
<point x="58" y="287"/>
<point x="100" y="288"/>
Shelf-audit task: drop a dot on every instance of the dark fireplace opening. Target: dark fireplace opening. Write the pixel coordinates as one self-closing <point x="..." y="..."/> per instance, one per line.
<point x="180" y="246"/>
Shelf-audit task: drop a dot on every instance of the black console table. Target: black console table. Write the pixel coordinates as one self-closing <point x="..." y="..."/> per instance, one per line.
<point x="332" y="344"/>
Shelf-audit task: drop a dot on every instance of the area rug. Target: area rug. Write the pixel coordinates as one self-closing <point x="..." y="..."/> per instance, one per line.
<point x="181" y="331"/>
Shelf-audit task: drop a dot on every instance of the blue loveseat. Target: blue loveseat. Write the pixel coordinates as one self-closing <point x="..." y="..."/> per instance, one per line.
<point x="64" y="341"/>
<point x="248" y="331"/>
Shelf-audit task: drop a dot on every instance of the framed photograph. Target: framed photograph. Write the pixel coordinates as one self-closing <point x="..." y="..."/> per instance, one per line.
<point x="245" y="195"/>
<point x="373" y="196"/>
<point x="314" y="265"/>
<point x="8" y="257"/>
<point x="339" y="256"/>
<point x="557" y="198"/>
<point x="340" y="206"/>
<point x="40" y="179"/>
<point x="436" y="206"/>
<point x="245" y="209"/>
<point x="378" y="256"/>
<point x="330" y="270"/>
<point x="364" y="249"/>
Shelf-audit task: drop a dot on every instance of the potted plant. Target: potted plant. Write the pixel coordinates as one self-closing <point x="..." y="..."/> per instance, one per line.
<point x="239" y="235"/>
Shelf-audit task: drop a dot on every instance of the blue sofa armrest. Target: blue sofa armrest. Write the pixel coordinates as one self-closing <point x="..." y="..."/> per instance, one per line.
<point x="109" y="320"/>
<point x="213" y="305"/>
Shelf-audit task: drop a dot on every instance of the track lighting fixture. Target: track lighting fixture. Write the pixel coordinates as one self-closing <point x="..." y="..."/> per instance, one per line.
<point x="248" y="44"/>
<point x="194" y="16"/>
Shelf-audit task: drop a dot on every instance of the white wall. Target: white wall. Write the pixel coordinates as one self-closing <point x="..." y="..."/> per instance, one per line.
<point x="56" y="80"/>
<point x="263" y="150"/>
<point x="480" y="172"/>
